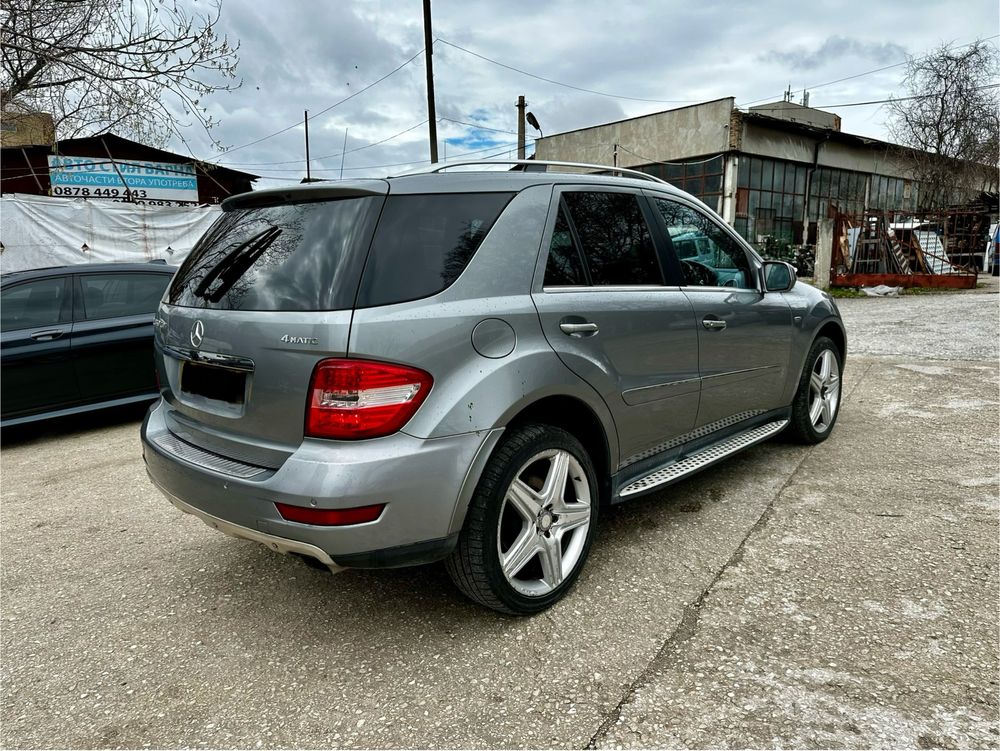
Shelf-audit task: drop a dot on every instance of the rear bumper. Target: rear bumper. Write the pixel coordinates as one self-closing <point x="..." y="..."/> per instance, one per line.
<point x="424" y="482"/>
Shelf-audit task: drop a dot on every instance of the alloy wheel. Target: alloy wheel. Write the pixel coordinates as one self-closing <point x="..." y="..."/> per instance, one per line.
<point x="543" y="522"/>
<point x="824" y="391"/>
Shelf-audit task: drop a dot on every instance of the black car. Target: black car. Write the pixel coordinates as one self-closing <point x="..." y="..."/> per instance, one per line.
<point x="77" y="338"/>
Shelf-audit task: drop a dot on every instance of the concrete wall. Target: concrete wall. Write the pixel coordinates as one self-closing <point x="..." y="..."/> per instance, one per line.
<point x="661" y="137"/>
<point x="796" y="113"/>
<point x="800" y="147"/>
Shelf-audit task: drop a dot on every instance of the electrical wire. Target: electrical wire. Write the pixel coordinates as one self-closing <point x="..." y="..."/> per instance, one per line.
<point x="657" y="161"/>
<point x="873" y="101"/>
<point x="560" y="83"/>
<point x="506" y="147"/>
<point x="477" y="127"/>
<point x="323" y="111"/>
<point x="325" y="156"/>
<point x="351" y="151"/>
<point x="869" y="72"/>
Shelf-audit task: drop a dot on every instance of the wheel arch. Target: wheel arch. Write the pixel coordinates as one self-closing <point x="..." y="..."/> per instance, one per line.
<point x="572" y="414"/>
<point x="835" y="332"/>
<point x="578" y="419"/>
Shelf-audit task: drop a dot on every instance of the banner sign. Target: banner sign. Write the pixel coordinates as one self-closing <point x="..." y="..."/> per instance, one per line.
<point x="144" y="182"/>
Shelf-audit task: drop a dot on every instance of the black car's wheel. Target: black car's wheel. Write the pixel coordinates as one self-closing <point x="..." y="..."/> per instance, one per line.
<point x="817" y="401"/>
<point x="530" y="522"/>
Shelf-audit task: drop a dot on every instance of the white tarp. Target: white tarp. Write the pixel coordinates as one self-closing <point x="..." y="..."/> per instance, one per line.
<point x="39" y="231"/>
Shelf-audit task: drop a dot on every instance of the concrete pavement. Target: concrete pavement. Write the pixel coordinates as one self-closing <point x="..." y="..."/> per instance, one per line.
<point x="837" y="596"/>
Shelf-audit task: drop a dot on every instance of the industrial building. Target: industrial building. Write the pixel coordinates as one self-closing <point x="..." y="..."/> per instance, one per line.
<point x="772" y="172"/>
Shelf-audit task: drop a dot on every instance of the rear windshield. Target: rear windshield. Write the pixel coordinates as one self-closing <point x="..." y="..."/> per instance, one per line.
<point x="424" y="242"/>
<point x="292" y="256"/>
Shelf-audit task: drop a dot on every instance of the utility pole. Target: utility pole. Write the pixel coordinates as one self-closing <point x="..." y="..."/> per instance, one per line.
<point x="521" y="104"/>
<point x="308" y="178"/>
<point x="428" y="52"/>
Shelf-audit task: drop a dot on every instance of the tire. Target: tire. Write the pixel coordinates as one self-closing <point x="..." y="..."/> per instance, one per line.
<point x="526" y="534"/>
<point x="817" y="400"/>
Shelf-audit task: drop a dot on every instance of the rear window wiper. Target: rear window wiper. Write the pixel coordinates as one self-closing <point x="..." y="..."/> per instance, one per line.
<point x="235" y="264"/>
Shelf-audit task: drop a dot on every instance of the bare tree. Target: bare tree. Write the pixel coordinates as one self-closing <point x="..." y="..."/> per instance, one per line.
<point x="136" y="67"/>
<point x="949" y="115"/>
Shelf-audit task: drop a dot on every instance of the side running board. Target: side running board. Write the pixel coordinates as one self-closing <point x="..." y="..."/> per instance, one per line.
<point x="701" y="459"/>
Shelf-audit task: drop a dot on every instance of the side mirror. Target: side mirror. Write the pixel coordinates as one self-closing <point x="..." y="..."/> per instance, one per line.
<point x="778" y="276"/>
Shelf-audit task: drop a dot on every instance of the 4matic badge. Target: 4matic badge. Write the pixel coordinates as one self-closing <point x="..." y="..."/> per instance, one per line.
<point x="288" y="339"/>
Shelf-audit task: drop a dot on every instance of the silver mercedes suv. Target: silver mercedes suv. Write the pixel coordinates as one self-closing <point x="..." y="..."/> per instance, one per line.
<point x="468" y="364"/>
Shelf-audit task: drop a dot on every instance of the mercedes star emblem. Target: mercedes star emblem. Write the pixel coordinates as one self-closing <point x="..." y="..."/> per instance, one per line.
<point x="197" y="334"/>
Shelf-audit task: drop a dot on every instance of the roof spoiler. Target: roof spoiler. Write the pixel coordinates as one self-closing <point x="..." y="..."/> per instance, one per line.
<point x="308" y="192"/>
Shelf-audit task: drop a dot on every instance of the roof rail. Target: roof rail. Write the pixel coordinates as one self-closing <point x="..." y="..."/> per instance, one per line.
<point x="527" y="164"/>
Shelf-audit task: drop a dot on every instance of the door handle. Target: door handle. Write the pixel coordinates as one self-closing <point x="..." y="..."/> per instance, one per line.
<point x="47" y="336"/>
<point x="713" y="324"/>
<point x="578" y="329"/>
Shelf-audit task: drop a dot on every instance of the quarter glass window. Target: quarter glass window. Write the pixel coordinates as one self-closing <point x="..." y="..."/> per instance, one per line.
<point x="563" y="268"/>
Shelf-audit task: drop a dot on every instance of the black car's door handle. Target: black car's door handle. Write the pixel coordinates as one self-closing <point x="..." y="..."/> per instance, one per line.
<point x="47" y="336"/>
<point x="713" y="324"/>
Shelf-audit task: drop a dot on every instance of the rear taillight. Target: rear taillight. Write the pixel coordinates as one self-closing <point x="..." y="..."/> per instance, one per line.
<point x="350" y="399"/>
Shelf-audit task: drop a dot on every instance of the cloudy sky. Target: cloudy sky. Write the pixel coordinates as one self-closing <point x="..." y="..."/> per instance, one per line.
<point x="642" y="57"/>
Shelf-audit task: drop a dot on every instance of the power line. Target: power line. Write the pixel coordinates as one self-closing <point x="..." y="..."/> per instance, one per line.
<point x="332" y="156"/>
<point x="324" y="111"/>
<point x="868" y="72"/>
<point x="873" y="101"/>
<point x="351" y="151"/>
<point x="560" y="83"/>
<point x="506" y="147"/>
<point x="657" y="161"/>
<point x="478" y="127"/>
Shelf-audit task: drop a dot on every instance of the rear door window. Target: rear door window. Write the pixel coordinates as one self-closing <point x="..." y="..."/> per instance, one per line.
<point x="34" y="304"/>
<point x="614" y="238"/>
<point x="424" y="242"/>
<point x="290" y="256"/>
<point x="114" y="295"/>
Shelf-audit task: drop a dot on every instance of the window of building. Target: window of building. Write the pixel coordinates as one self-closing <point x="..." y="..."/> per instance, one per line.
<point x="893" y="194"/>
<point x="836" y="191"/>
<point x="770" y="202"/>
<point x="702" y="178"/>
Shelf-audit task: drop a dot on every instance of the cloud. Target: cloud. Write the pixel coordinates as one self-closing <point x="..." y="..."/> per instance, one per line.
<point x="304" y="55"/>
<point x="834" y="49"/>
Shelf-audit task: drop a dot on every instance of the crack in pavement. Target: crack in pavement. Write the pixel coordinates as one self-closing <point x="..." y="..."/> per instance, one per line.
<point x="689" y="620"/>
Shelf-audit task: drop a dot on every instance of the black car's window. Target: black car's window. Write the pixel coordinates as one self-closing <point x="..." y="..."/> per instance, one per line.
<point x="290" y="256"/>
<point x="615" y="239"/>
<point x="424" y="242"/>
<point x="563" y="268"/>
<point x="33" y="304"/>
<point x="708" y="256"/>
<point x="119" y="294"/>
